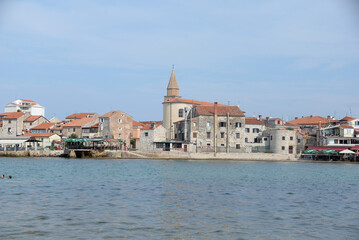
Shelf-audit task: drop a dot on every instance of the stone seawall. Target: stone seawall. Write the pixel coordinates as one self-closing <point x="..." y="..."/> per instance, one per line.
<point x="47" y="153"/>
<point x="161" y="155"/>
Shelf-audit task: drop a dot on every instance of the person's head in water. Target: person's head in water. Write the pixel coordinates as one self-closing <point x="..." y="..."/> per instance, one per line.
<point x="2" y="176"/>
<point x="10" y="177"/>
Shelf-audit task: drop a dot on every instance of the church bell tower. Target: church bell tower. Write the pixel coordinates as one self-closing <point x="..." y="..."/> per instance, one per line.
<point x="172" y="88"/>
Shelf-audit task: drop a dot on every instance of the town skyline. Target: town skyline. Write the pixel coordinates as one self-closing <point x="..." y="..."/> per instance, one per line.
<point x="274" y="58"/>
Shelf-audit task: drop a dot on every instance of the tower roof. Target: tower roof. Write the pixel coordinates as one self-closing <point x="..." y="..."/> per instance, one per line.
<point x="173" y="82"/>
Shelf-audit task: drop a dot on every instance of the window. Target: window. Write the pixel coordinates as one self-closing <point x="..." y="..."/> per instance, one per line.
<point x="271" y="138"/>
<point x="9" y="121"/>
<point x="9" y="130"/>
<point x="194" y="135"/>
<point x="283" y="138"/>
<point x="74" y="129"/>
<point x="238" y="135"/>
<point x="246" y="140"/>
<point x="222" y="145"/>
<point x="194" y="124"/>
<point x="222" y="124"/>
<point x="85" y="130"/>
<point x="222" y="134"/>
<point x="278" y="122"/>
<point x="283" y="148"/>
<point x="208" y="134"/>
<point x="208" y="144"/>
<point x="119" y="135"/>
<point x="102" y="120"/>
<point x="159" y="145"/>
<point x="119" y="120"/>
<point x="120" y="129"/>
<point x="255" y="130"/>
<point x="31" y="124"/>
<point x="238" y="124"/>
<point x="146" y="134"/>
<point x="247" y="130"/>
<point x="180" y="113"/>
<point x="238" y="146"/>
<point x="298" y="140"/>
<point x="208" y="124"/>
<point x="291" y="138"/>
<point x="122" y="115"/>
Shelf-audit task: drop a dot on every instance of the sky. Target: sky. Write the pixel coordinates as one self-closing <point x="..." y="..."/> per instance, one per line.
<point x="276" y="58"/>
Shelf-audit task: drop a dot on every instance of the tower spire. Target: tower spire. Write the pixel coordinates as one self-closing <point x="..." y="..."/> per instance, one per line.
<point x="172" y="87"/>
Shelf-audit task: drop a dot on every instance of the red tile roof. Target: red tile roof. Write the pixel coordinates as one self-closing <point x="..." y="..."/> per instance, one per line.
<point x="222" y="110"/>
<point x="346" y="127"/>
<point x="137" y="124"/>
<point x="111" y="113"/>
<point x="195" y="102"/>
<point x="309" y="120"/>
<point x="32" y="118"/>
<point x="38" y="134"/>
<point x="95" y="125"/>
<point x="44" y="126"/>
<point x="79" y="122"/>
<point x="79" y="115"/>
<point x="12" y="115"/>
<point x="25" y="100"/>
<point x="347" y="119"/>
<point x="253" y="120"/>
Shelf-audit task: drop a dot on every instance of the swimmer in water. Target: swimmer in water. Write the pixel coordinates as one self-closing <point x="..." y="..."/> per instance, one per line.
<point x="10" y="177"/>
<point x="2" y="176"/>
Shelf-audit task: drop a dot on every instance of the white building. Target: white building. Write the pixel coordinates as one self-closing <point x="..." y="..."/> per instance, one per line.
<point x="25" y="106"/>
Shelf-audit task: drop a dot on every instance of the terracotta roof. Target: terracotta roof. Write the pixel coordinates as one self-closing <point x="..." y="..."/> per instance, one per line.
<point x="195" y="102"/>
<point x="221" y="110"/>
<point x="95" y="125"/>
<point x="32" y="118"/>
<point x="0" y="123"/>
<point x="346" y="127"/>
<point x="109" y="114"/>
<point x="38" y="134"/>
<point x="12" y="115"/>
<point x="79" y="122"/>
<point x="274" y="119"/>
<point x="151" y="122"/>
<point x="253" y="120"/>
<point x="25" y="100"/>
<point x="309" y="120"/>
<point x="347" y="119"/>
<point x="79" y="115"/>
<point x="137" y="124"/>
<point x="44" y="126"/>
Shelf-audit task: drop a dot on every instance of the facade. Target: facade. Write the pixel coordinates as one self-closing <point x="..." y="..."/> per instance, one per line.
<point x="136" y="134"/>
<point x="76" y="126"/>
<point x="26" y="106"/>
<point x="253" y="134"/>
<point x="12" y="123"/>
<point x="284" y="141"/>
<point x="212" y="129"/>
<point x="33" y="121"/>
<point x="45" y="139"/>
<point x="91" y="131"/>
<point x="152" y="138"/>
<point x="116" y="125"/>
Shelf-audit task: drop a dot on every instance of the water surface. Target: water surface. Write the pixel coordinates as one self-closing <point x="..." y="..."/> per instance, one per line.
<point x="53" y="198"/>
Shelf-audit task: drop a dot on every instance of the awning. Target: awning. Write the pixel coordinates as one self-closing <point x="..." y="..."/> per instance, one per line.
<point x="356" y="147"/>
<point x="13" y="141"/>
<point x="338" y="149"/>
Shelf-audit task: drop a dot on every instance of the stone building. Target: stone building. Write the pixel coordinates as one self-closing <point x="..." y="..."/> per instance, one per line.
<point x="33" y="121"/>
<point x="116" y="125"/>
<point x="77" y="126"/>
<point x="153" y="138"/>
<point x="253" y="136"/>
<point x="212" y="128"/>
<point x="284" y="141"/>
<point x="12" y="123"/>
<point x="175" y="107"/>
<point x="75" y="116"/>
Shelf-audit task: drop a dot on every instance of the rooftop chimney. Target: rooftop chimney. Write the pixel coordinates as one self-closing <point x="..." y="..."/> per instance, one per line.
<point x="296" y="118"/>
<point x="215" y="108"/>
<point x="260" y="117"/>
<point x="319" y="125"/>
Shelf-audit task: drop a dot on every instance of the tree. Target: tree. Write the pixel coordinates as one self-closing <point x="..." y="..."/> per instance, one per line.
<point x="73" y="136"/>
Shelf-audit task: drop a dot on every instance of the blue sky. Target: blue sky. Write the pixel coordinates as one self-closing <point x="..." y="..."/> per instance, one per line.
<point x="277" y="58"/>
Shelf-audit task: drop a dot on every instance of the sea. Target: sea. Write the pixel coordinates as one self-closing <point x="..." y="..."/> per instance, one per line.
<point x="55" y="198"/>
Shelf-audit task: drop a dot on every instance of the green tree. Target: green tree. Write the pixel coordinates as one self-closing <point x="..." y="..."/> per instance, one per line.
<point x="73" y="136"/>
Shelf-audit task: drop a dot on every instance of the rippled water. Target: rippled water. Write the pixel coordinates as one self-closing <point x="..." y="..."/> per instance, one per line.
<point x="53" y="198"/>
